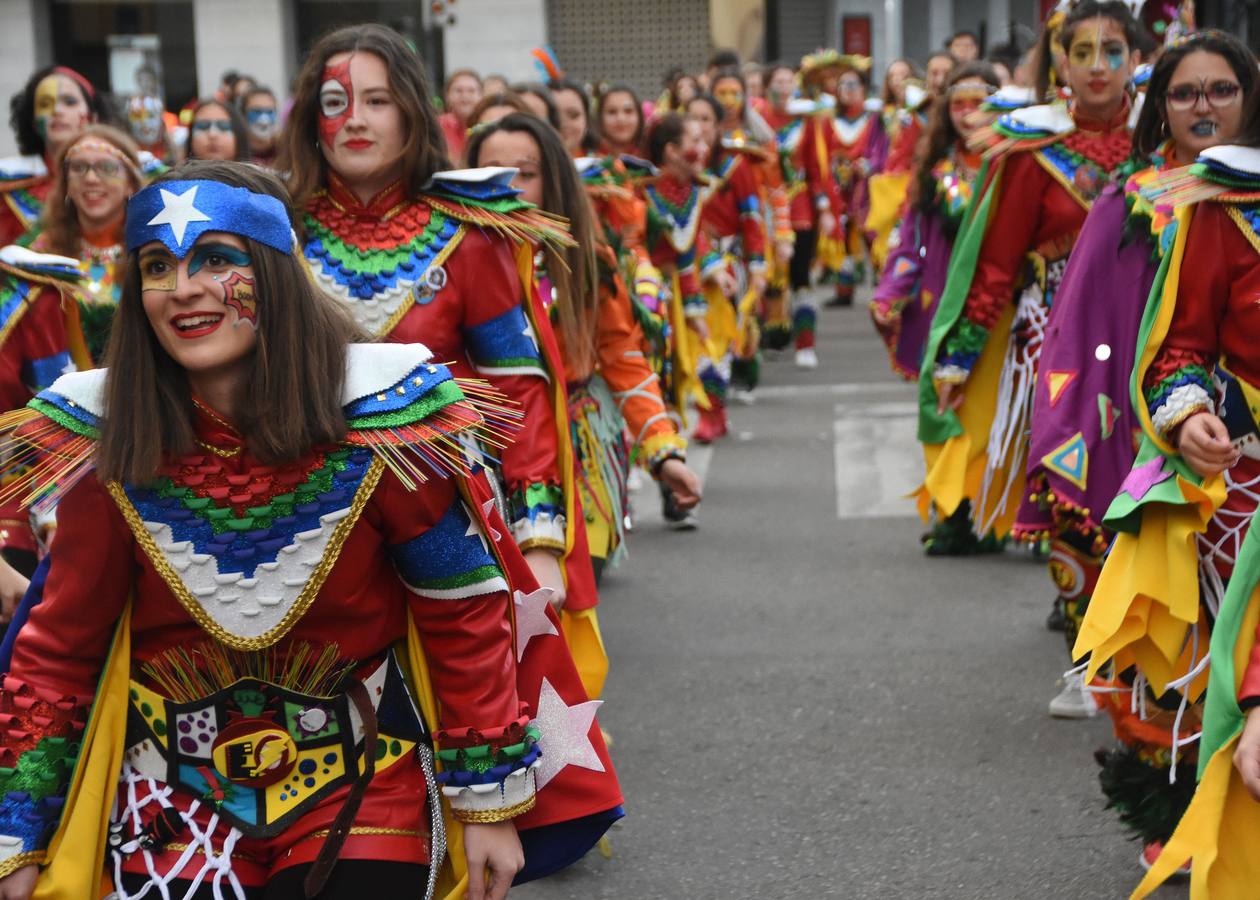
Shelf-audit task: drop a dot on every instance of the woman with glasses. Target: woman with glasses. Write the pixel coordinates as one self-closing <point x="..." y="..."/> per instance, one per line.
<point x="217" y="131"/>
<point x="1045" y="166"/>
<point x="57" y="304"/>
<point x="1195" y="102"/>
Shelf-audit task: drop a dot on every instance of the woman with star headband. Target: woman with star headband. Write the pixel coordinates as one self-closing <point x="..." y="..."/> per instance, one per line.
<point x="56" y="104"/>
<point x="417" y="252"/>
<point x="1044" y="166"/>
<point x="282" y="583"/>
<point x="610" y="384"/>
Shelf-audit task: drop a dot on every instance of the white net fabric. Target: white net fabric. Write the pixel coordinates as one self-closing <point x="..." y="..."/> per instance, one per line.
<point x="213" y="844"/>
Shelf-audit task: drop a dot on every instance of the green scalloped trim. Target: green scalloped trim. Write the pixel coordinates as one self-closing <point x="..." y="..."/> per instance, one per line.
<point x="377" y="259"/>
<point x="41" y="772"/>
<point x="966" y="338"/>
<point x="484" y="757"/>
<point x="66" y="421"/>
<point x="438" y="397"/>
<point x="222" y="518"/>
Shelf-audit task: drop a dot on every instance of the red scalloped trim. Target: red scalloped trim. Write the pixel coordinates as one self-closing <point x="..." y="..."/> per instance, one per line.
<point x="27" y="716"/>
<point x="496" y="738"/>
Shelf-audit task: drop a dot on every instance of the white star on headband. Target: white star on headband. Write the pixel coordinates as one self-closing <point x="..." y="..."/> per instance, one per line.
<point x="178" y="211"/>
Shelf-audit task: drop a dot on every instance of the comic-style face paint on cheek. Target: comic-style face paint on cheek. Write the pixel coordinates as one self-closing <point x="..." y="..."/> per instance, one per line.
<point x="336" y="100"/>
<point x="157" y="271"/>
<point x="1115" y="56"/>
<point x="238" y="294"/>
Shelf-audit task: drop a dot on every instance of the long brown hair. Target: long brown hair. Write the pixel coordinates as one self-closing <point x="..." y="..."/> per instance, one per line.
<point x="941" y="134"/>
<point x="291" y="400"/>
<point x="424" y="147"/>
<point x="60" y="231"/>
<point x="574" y="271"/>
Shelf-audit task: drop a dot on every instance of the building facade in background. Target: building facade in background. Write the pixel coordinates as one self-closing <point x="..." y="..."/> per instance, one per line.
<point x="188" y="44"/>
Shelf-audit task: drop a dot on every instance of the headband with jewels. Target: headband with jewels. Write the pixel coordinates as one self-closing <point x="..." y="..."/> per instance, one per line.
<point x="178" y="212"/>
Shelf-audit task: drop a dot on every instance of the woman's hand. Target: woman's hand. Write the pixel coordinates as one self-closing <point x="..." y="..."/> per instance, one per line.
<point x="883" y="315"/>
<point x="726" y="281"/>
<point x="13" y="585"/>
<point x="949" y="395"/>
<point x="784" y="251"/>
<point x="757" y="282"/>
<point x="545" y="564"/>
<point x="1203" y="442"/>
<point x="495" y="847"/>
<point x="1247" y="753"/>
<point x="19" y="884"/>
<point x="826" y="223"/>
<point x="683" y="483"/>
<point x="699" y="325"/>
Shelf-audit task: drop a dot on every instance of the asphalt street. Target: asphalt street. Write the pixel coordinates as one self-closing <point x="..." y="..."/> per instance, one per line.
<point x="803" y="705"/>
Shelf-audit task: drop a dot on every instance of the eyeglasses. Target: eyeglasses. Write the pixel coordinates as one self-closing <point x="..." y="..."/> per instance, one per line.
<point x="1218" y="94"/>
<point x="223" y="125"/>
<point x="105" y="169"/>
<point x="851" y="83"/>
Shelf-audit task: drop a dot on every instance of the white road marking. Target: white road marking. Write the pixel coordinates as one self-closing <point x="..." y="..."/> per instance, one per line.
<point x="878" y="460"/>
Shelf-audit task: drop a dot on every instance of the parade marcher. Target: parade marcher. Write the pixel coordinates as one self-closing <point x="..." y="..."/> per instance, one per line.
<point x="494" y="106"/>
<point x="574" y="107"/>
<point x="735" y="217"/>
<point x="611" y="387"/>
<point x="537" y="97"/>
<point x="858" y="147"/>
<point x="262" y="119"/>
<point x="619" y="118"/>
<point x="417" y="255"/>
<point x="798" y="124"/>
<point x="245" y="740"/>
<point x="217" y="131"/>
<point x="1044" y="166"/>
<point x="914" y="276"/>
<point x="56" y="104"/>
<point x="676" y="245"/>
<point x="463" y="92"/>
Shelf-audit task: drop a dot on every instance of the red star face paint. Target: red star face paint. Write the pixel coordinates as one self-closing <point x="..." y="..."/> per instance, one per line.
<point x="336" y="100"/>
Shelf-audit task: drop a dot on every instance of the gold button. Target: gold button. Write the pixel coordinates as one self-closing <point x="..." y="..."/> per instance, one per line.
<point x="380" y="397"/>
<point x="401" y="390"/>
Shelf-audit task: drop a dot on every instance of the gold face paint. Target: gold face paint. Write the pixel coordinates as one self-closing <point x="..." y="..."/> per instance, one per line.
<point x="157" y="271"/>
<point x="45" y="103"/>
<point x="1086" y="49"/>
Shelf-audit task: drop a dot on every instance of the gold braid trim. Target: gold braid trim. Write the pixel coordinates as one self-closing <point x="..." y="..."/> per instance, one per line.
<point x="299" y="607"/>
<point x="403" y="308"/>
<point x="489" y="816"/>
<point x="1248" y="232"/>
<point x="21" y="860"/>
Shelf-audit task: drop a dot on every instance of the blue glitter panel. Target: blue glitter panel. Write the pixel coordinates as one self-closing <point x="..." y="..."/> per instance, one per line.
<point x="445" y="552"/>
<point x="430" y="376"/>
<point x="505" y="339"/>
<point x="75" y="411"/>
<point x="243" y="552"/>
<point x="38" y="374"/>
<point x="1058" y="156"/>
<point x="497" y="187"/>
<point x="12" y="300"/>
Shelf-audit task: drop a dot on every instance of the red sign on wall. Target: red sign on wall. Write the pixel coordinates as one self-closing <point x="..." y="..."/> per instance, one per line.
<point x="855" y="35"/>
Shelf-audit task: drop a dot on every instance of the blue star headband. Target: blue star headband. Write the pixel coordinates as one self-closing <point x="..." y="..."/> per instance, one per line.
<point x="178" y="212"/>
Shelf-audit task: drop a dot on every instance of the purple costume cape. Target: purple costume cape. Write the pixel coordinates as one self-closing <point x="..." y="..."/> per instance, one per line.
<point x="1083" y="425"/>
<point x="914" y="276"/>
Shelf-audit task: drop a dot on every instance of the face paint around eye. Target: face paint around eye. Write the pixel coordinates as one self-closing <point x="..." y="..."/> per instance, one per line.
<point x="203" y="253"/>
<point x="1115" y="57"/>
<point x="262" y="122"/>
<point x="336" y="97"/>
<point x="163" y="280"/>
<point x="238" y="294"/>
<point x="45" y="103"/>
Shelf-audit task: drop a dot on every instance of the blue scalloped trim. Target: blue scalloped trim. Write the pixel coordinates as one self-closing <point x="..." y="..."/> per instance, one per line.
<point x="430" y="375"/>
<point x="74" y="411"/>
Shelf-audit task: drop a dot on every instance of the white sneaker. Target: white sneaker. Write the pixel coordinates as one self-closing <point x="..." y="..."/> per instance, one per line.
<point x="1074" y="702"/>
<point x="806" y="358"/>
<point x="743" y="396"/>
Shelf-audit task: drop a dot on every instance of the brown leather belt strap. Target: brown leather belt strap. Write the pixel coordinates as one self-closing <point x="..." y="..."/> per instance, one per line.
<point x="317" y="877"/>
